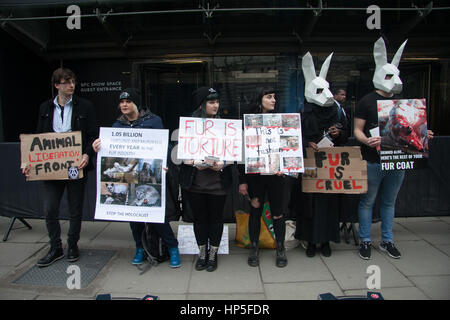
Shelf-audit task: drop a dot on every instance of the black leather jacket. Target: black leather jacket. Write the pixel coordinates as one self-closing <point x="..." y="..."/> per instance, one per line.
<point x="83" y="119"/>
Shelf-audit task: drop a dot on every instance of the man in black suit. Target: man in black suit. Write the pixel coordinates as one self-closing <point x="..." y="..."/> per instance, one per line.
<point x="65" y="113"/>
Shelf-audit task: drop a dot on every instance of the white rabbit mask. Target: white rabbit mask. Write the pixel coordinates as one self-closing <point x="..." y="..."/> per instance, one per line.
<point x="385" y="70"/>
<point x="317" y="88"/>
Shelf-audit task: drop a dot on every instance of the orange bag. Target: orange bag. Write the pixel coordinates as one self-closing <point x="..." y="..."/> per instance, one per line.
<point x="266" y="235"/>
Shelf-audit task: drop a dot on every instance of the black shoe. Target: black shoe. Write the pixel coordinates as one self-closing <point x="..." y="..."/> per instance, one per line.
<point x="53" y="255"/>
<point x="390" y="249"/>
<point x="325" y="249"/>
<point x="202" y="260"/>
<point x="212" y="260"/>
<point x="281" y="260"/>
<point x="311" y="250"/>
<point x="253" y="260"/>
<point x="365" y="250"/>
<point x="73" y="254"/>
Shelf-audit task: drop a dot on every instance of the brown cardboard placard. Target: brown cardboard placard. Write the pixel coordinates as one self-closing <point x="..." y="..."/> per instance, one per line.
<point x="52" y="156"/>
<point x="335" y="170"/>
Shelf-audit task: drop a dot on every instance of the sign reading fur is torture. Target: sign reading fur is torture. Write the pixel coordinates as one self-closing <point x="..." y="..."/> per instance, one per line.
<point x="52" y="156"/>
<point x="199" y="138"/>
<point x="335" y="170"/>
<point x="131" y="181"/>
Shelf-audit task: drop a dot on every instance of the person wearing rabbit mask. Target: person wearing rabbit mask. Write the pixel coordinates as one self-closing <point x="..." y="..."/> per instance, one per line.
<point x="318" y="219"/>
<point x="387" y="85"/>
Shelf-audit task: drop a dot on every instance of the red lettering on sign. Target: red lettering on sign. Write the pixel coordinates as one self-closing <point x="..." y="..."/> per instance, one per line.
<point x="319" y="185"/>
<point x="330" y="159"/>
<point x="355" y="186"/>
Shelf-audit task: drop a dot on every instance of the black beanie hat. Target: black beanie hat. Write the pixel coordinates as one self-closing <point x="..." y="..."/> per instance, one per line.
<point x="132" y="94"/>
<point x="203" y="94"/>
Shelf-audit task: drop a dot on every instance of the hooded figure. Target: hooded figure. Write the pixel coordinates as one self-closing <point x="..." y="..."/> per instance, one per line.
<point x="317" y="88"/>
<point x="200" y="96"/>
<point x="386" y="76"/>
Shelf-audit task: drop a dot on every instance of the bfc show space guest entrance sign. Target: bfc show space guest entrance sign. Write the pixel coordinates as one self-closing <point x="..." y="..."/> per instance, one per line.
<point x="273" y="143"/>
<point x="131" y="182"/>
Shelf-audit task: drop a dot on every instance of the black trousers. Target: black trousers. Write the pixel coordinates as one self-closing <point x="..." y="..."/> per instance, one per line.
<point x="277" y="190"/>
<point x="164" y="230"/>
<point x="52" y="192"/>
<point x="208" y="217"/>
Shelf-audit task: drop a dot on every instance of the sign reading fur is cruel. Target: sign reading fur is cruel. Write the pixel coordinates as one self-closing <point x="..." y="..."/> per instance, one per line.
<point x="51" y="156"/>
<point x="335" y="170"/>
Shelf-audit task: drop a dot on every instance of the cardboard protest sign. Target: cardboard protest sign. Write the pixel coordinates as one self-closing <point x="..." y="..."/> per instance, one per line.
<point x="403" y="131"/>
<point x="199" y="138"/>
<point x="335" y="170"/>
<point x="273" y="143"/>
<point x="131" y="182"/>
<point x="51" y="156"/>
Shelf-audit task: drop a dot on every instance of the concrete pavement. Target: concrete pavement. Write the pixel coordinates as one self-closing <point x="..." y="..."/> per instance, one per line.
<point x="423" y="272"/>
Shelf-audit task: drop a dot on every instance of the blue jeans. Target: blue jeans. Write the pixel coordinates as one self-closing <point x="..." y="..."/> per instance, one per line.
<point x="388" y="183"/>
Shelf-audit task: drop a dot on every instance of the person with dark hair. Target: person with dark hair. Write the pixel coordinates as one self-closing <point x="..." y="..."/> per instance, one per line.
<point x="133" y="116"/>
<point x="206" y="188"/>
<point x="64" y="113"/>
<point x="257" y="186"/>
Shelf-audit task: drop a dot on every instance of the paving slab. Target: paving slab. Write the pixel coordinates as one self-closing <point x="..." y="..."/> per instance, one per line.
<point x="116" y="234"/>
<point x="435" y="232"/>
<point x="435" y="287"/>
<point x="227" y="297"/>
<point x="419" y="258"/>
<point x="233" y="275"/>
<point x="13" y="254"/>
<point x="301" y="290"/>
<point x="124" y="277"/>
<point x="8" y="294"/>
<point x="350" y="271"/>
<point x="299" y="268"/>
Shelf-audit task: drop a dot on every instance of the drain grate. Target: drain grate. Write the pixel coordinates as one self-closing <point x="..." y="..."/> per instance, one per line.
<point x="56" y="275"/>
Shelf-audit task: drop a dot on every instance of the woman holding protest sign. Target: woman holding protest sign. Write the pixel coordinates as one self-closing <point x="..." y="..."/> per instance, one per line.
<point x="133" y="116"/>
<point x="256" y="186"/>
<point x="318" y="217"/>
<point x="205" y="183"/>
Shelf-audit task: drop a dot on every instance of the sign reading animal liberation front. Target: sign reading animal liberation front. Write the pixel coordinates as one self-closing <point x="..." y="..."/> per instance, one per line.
<point x="273" y="143"/>
<point x="335" y="170"/>
<point x="131" y="182"/>
<point x="200" y="138"/>
<point x="403" y="131"/>
<point x="52" y="156"/>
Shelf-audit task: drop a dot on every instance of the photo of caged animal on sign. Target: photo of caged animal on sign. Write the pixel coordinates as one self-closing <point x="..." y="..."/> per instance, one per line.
<point x="132" y="182"/>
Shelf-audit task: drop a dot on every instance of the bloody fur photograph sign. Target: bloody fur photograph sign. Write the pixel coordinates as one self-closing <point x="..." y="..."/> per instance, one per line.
<point x="403" y="131"/>
<point x="273" y="143"/>
<point x="131" y="182"/>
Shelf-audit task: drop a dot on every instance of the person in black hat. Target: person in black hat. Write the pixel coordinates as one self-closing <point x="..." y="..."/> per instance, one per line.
<point x="206" y="188"/>
<point x="134" y="116"/>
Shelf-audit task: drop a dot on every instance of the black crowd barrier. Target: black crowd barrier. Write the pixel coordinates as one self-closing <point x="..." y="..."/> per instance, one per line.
<point x="424" y="192"/>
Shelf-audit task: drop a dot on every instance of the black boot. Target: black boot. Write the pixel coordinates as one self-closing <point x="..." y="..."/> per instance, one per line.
<point x="325" y="249"/>
<point x="73" y="253"/>
<point x="253" y="259"/>
<point x="311" y="250"/>
<point x="281" y="260"/>
<point x="202" y="260"/>
<point x="53" y="255"/>
<point x="212" y="259"/>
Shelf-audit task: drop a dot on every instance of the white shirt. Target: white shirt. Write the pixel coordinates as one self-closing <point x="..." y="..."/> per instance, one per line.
<point x="62" y="124"/>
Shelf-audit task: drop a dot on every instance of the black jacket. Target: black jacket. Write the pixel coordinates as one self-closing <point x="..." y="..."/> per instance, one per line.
<point x="83" y="119"/>
<point x="187" y="174"/>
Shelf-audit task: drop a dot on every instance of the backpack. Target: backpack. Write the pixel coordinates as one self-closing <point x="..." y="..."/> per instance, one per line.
<point x="154" y="247"/>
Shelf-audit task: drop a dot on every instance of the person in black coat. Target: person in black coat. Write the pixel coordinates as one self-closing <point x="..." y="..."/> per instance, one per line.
<point x="257" y="186"/>
<point x="135" y="116"/>
<point x="65" y="113"/>
<point x="206" y="189"/>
